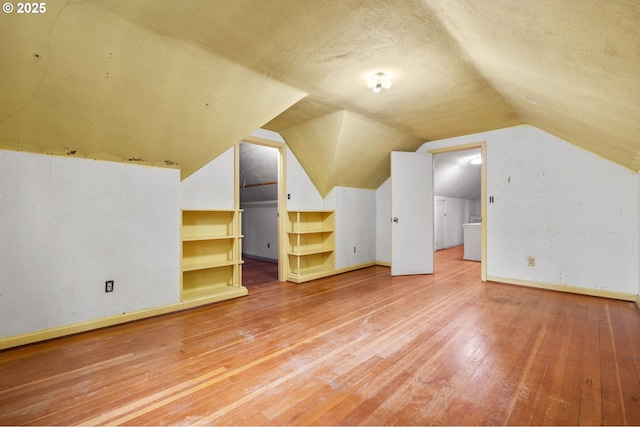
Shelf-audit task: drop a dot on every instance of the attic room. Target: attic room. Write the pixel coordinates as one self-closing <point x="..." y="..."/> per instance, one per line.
<point x="122" y="228"/>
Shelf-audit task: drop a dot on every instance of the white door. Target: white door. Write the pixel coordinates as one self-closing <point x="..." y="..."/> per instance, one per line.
<point x="440" y="223"/>
<point x="411" y="213"/>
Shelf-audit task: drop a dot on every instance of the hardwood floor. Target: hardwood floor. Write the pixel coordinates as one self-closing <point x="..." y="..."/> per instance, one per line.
<point x="257" y="274"/>
<point x="358" y="348"/>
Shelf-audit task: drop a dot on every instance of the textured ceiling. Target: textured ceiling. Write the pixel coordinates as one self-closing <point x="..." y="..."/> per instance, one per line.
<point x="347" y="149"/>
<point x="177" y="83"/>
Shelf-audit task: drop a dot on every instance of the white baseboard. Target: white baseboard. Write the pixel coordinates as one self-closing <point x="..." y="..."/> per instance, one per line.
<point x="566" y="288"/>
<point x="353" y="267"/>
<point x="88" y="325"/>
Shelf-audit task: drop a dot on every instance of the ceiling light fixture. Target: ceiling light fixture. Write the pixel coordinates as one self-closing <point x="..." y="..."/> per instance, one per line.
<point x="378" y="81"/>
<point x="476" y="160"/>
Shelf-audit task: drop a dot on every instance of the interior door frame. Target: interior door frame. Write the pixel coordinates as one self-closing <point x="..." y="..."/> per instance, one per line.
<point x="283" y="259"/>
<point x="483" y="196"/>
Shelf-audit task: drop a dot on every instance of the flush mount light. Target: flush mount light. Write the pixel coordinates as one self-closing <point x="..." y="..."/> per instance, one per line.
<point x="476" y="160"/>
<point x="378" y="81"/>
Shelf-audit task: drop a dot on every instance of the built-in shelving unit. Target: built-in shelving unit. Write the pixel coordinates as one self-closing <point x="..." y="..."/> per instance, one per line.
<point x="211" y="256"/>
<point x="311" y="249"/>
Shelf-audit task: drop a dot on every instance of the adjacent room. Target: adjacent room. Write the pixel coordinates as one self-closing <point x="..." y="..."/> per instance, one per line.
<point x="259" y="205"/>
<point x="336" y="212"/>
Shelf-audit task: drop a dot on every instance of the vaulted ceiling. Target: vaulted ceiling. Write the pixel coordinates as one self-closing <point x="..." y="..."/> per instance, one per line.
<point x="455" y="176"/>
<point x="175" y="84"/>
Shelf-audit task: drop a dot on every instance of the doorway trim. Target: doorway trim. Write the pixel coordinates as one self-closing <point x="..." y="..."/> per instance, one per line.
<point x="483" y="196"/>
<point x="283" y="259"/>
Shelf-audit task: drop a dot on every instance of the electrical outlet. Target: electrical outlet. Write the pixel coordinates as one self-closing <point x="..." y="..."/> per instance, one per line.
<point x="531" y="261"/>
<point x="108" y="286"/>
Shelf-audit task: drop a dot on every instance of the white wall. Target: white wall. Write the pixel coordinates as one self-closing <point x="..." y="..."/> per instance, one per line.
<point x="67" y="225"/>
<point x="355" y="216"/>
<point x="212" y="186"/>
<point x="476" y="208"/>
<point x="260" y="229"/>
<point x="458" y="213"/>
<point x="575" y="212"/>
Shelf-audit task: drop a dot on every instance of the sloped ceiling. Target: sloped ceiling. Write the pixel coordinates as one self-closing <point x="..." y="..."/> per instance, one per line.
<point x="80" y="80"/>
<point x="258" y="173"/>
<point x="330" y="148"/>
<point x="454" y="176"/>
<point x="169" y="82"/>
<point x="571" y="68"/>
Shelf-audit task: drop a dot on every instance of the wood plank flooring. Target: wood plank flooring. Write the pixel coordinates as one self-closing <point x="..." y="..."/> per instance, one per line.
<point x="361" y="348"/>
<point x="258" y="274"/>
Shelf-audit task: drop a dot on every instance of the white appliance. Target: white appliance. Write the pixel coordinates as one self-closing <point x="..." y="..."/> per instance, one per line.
<point x="472" y="241"/>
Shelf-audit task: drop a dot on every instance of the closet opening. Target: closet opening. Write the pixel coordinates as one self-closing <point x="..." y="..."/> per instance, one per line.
<point x="258" y="182"/>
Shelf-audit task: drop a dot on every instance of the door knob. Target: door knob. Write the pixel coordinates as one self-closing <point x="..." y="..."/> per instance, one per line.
<point x="395" y="219"/>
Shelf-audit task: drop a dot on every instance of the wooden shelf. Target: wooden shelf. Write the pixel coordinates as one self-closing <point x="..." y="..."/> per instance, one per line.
<point x="199" y="238"/>
<point x="210" y="223"/>
<point x="189" y="266"/>
<point x="311" y="250"/>
<point x="211" y="255"/>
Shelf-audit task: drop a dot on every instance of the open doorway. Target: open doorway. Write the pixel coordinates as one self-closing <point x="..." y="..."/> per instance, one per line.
<point x="258" y="188"/>
<point x="459" y="202"/>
